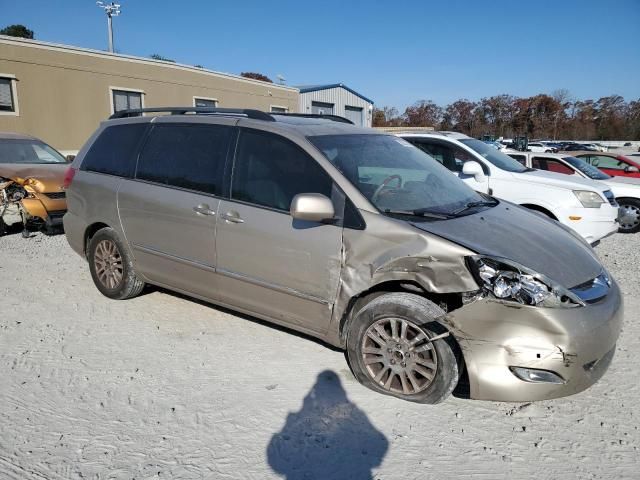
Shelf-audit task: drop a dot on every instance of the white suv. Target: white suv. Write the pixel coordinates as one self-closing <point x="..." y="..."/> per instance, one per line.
<point x="586" y="206"/>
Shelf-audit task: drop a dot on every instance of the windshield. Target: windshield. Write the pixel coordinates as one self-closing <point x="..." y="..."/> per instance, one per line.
<point x="396" y="176"/>
<point x="499" y="159"/>
<point x="28" y="152"/>
<point x="589" y="170"/>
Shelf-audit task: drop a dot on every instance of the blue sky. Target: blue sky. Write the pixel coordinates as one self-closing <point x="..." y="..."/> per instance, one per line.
<point x="393" y="52"/>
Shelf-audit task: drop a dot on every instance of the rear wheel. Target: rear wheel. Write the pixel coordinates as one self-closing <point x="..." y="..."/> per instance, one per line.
<point x="630" y="215"/>
<point x="395" y="346"/>
<point x="111" y="266"/>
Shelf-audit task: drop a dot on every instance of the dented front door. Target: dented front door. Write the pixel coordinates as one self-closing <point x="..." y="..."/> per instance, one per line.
<point x="276" y="266"/>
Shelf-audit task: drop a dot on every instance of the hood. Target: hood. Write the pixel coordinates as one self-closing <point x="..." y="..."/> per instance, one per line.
<point x="623" y="189"/>
<point x="50" y="176"/>
<point x="525" y="237"/>
<point x="561" y="180"/>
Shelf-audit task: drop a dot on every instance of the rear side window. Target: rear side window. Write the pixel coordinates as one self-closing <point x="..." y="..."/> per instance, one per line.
<point x="270" y="170"/>
<point x="114" y="151"/>
<point x="186" y="156"/>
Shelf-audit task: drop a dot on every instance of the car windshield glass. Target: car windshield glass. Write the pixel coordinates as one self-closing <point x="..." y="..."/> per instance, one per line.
<point x="499" y="159"/>
<point x="589" y="170"/>
<point x="396" y="176"/>
<point x="28" y="151"/>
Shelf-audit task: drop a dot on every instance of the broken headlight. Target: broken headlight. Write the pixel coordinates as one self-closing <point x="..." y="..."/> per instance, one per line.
<point x="509" y="281"/>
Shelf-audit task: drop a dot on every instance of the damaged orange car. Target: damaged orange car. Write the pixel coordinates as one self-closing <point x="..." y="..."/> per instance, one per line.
<point x="31" y="184"/>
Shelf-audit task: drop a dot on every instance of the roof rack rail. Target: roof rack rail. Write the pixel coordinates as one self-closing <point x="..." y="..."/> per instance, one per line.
<point x="326" y="116"/>
<point x="244" y="112"/>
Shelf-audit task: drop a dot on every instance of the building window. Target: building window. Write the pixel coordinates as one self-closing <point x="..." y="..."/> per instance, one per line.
<point x="205" y="102"/>
<point x="321" y="108"/>
<point x="126" y="99"/>
<point x="8" y="101"/>
<point x="279" y="109"/>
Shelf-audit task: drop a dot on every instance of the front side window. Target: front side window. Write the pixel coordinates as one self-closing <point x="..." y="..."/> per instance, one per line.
<point x="521" y="159"/>
<point x="270" y="170"/>
<point x="496" y="157"/>
<point x="394" y="175"/>
<point x="126" y="100"/>
<point x="28" y="151"/>
<point x="611" y="163"/>
<point x="450" y="156"/>
<point x="7" y="102"/>
<point x="186" y="156"/>
<point x="114" y="151"/>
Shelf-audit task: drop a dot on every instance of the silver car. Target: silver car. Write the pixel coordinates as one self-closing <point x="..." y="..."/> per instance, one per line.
<point x="349" y="235"/>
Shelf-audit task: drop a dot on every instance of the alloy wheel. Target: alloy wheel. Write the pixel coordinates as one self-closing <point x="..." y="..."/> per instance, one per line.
<point x="108" y="264"/>
<point x="399" y="356"/>
<point x="630" y="217"/>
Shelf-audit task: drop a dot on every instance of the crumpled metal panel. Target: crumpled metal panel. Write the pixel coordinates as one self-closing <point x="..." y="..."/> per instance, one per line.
<point x="392" y="250"/>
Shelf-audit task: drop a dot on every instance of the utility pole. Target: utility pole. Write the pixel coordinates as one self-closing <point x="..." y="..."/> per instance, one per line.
<point x="112" y="10"/>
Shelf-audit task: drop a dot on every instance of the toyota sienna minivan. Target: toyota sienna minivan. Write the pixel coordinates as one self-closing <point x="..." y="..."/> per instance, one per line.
<point x="349" y="235"/>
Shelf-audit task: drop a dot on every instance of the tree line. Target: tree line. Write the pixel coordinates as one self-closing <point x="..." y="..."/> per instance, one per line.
<point x="555" y="116"/>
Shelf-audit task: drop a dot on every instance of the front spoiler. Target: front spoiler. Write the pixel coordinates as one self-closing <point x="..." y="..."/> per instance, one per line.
<point x="576" y="343"/>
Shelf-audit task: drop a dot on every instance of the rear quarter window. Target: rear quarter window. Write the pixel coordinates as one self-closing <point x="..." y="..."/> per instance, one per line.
<point x="114" y="151"/>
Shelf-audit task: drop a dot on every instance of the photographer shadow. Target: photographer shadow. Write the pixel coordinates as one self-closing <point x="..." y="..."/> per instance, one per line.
<point x="328" y="438"/>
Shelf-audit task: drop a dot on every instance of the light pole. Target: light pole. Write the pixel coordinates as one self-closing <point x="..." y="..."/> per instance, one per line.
<point x="112" y="10"/>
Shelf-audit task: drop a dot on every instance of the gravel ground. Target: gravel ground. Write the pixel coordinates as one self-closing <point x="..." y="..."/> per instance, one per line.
<point x="165" y="387"/>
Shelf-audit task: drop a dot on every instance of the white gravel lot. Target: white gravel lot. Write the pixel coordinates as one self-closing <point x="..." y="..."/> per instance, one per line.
<point x="165" y="387"/>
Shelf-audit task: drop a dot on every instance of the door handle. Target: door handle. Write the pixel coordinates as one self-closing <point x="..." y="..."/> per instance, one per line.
<point x="203" y="209"/>
<point x="232" y="217"/>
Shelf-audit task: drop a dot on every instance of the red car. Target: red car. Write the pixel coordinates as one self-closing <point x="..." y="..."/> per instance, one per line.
<point x="611" y="163"/>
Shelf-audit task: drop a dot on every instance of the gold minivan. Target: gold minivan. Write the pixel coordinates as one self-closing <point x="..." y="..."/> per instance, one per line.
<point x="349" y="235"/>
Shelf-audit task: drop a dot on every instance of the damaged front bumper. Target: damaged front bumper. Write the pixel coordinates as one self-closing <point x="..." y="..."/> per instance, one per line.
<point x="500" y="340"/>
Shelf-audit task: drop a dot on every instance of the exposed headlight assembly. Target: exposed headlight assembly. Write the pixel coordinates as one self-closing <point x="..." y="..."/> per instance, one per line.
<point x="589" y="199"/>
<point x="509" y="281"/>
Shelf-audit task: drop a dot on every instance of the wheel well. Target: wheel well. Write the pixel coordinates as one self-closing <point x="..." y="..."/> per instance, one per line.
<point x="447" y="301"/>
<point x="633" y="200"/>
<point x="90" y="232"/>
<point x="538" y="208"/>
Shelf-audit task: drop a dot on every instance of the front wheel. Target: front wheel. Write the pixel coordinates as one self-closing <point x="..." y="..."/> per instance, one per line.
<point x="395" y="346"/>
<point x="112" y="267"/>
<point x="630" y="215"/>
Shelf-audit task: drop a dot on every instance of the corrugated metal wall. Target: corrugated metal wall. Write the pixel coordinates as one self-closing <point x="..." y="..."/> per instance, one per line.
<point x="339" y="97"/>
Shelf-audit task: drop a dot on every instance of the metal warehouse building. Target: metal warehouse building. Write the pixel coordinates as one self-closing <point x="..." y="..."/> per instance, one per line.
<point x="336" y="99"/>
<point x="61" y="93"/>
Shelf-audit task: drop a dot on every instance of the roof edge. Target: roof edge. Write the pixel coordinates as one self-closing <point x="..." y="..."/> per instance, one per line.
<point x="5" y="39"/>
<point x="316" y="88"/>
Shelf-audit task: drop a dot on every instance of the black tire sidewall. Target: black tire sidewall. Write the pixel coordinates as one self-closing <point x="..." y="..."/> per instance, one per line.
<point x="448" y="368"/>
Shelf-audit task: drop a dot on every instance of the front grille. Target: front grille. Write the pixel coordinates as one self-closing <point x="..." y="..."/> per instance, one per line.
<point x="609" y="196"/>
<point x="56" y="195"/>
<point x="594" y="290"/>
<point x="56" y="213"/>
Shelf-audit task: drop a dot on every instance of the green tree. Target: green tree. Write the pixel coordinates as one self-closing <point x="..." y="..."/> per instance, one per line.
<point x="157" y="56"/>
<point x="17" y="31"/>
<point x="256" y="76"/>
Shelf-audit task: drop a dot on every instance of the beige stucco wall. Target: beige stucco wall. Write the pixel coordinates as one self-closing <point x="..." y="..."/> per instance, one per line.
<point x="63" y="93"/>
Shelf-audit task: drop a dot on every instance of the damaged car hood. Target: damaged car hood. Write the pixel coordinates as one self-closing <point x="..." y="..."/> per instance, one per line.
<point x="528" y="238"/>
<point x="51" y="176"/>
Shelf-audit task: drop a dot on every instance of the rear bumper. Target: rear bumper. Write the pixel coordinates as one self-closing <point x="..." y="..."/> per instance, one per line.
<point x="577" y="344"/>
<point x="74" y="228"/>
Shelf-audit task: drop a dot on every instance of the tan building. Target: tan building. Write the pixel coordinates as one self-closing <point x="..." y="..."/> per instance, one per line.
<point x="60" y="93"/>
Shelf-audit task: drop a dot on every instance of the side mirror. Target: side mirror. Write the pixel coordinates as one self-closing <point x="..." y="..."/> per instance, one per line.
<point x="631" y="169"/>
<point x="473" y="169"/>
<point x="312" y="207"/>
<point x="70" y="158"/>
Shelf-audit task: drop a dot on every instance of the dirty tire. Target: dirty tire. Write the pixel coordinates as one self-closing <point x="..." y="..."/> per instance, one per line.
<point x="418" y="315"/>
<point x="630" y="221"/>
<point x="128" y="285"/>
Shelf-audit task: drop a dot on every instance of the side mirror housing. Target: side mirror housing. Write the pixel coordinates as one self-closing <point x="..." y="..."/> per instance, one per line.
<point x="473" y="169"/>
<point x="631" y="169"/>
<point x="312" y="207"/>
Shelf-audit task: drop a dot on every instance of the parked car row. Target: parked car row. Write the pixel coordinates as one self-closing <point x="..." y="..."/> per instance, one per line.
<point x="486" y="282"/>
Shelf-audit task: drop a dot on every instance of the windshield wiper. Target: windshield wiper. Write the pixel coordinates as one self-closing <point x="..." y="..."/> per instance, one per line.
<point x="481" y="203"/>
<point x="420" y="212"/>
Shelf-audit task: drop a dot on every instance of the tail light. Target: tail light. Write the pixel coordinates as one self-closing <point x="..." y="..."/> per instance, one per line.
<point x="68" y="177"/>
